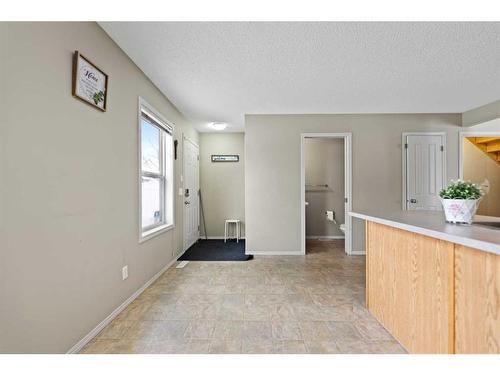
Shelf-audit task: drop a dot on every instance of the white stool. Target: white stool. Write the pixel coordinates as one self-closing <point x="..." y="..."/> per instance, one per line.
<point x="237" y="224"/>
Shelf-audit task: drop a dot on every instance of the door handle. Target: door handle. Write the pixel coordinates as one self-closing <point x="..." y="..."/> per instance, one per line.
<point x="186" y="202"/>
<point x="413" y="200"/>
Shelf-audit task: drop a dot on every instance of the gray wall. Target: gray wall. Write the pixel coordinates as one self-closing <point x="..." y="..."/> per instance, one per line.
<point x="69" y="195"/>
<point x="324" y="164"/>
<point x="488" y="126"/>
<point x="487" y="112"/>
<point x="477" y="166"/>
<point x="222" y="184"/>
<point x="272" y="172"/>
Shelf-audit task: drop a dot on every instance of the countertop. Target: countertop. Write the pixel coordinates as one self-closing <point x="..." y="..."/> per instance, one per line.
<point x="433" y="224"/>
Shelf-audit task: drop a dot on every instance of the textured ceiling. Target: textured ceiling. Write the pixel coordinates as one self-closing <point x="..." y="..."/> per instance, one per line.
<point x="222" y="71"/>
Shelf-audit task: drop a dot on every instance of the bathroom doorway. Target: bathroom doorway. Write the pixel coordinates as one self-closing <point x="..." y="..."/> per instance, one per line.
<point x="326" y="183"/>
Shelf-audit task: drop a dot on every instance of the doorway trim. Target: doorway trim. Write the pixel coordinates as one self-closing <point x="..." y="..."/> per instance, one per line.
<point x="404" y="196"/>
<point x="461" y="138"/>
<point x="184" y="237"/>
<point x="347" y="137"/>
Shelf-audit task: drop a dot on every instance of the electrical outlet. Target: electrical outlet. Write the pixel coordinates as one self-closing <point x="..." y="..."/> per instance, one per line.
<point x="124" y="272"/>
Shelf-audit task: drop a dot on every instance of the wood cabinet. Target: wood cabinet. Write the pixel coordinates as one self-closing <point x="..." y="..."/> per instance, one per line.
<point x="477" y="303"/>
<point x="432" y="295"/>
<point x="409" y="287"/>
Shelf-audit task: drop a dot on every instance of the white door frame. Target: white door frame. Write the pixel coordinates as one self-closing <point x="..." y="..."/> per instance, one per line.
<point x="184" y="237"/>
<point x="404" y="155"/>
<point x="461" y="137"/>
<point x="347" y="137"/>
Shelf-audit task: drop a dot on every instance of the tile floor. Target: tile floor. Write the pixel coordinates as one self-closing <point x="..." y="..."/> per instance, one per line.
<point x="271" y="304"/>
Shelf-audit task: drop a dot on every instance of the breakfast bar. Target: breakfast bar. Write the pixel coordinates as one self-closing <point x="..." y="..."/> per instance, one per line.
<point x="434" y="286"/>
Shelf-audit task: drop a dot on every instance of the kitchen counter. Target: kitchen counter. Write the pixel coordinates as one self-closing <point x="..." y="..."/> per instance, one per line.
<point x="434" y="285"/>
<point x="432" y="224"/>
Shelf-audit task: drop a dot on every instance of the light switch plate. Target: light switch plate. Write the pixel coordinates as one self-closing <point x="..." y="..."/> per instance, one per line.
<point x="124" y="272"/>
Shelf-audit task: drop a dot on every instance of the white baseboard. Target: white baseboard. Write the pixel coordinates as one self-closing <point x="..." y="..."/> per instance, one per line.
<point x="325" y="237"/>
<point x="355" y="252"/>
<point x="358" y="252"/>
<point x="273" y="253"/>
<point x="89" y="336"/>
<point x="217" y="238"/>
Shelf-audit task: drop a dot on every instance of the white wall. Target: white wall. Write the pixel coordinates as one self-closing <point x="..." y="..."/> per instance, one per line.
<point x="69" y="194"/>
<point x="272" y="170"/>
<point x="222" y="184"/>
<point x="477" y="166"/>
<point x="324" y="164"/>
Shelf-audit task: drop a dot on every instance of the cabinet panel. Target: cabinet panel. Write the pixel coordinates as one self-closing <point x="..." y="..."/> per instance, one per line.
<point x="477" y="301"/>
<point x="410" y="287"/>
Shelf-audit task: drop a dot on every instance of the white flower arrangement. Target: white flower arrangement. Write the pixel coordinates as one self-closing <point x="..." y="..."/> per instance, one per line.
<point x="460" y="201"/>
<point x="460" y="189"/>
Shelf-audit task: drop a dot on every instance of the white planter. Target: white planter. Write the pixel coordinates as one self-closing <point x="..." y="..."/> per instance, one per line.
<point x="460" y="210"/>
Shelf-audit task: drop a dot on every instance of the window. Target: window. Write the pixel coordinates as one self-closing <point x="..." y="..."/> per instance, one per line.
<point x="156" y="172"/>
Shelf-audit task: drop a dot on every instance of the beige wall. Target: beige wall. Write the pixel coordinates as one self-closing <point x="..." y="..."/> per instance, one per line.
<point x="69" y="198"/>
<point x="477" y="166"/>
<point x="324" y="164"/>
<point x="485" y="113"/>
<point x="272" y="171"/>
<point x="222" y="184"/>
<point x="488" y="126"/>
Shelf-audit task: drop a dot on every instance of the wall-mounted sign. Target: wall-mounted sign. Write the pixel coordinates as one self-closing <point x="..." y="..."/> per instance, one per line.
<point x="90" y="83"/>
<point x="225" y="158"/>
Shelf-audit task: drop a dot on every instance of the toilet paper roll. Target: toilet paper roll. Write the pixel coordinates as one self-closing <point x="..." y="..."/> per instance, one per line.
<point x="330" y="216"/>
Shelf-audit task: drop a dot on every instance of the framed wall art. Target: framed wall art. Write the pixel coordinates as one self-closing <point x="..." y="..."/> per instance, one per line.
<point x="90" y="84"/>
<point x="225" y="158"/>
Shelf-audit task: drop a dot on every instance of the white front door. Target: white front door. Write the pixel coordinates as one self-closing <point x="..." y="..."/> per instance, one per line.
<point x="424" y="171"/>
<point x="191" y="197"/>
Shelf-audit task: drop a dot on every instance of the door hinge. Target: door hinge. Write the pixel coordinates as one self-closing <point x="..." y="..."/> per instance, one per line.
<point x="345" y="200"/>
<point x="442" y="148"/>
<point x="406" y="145"/>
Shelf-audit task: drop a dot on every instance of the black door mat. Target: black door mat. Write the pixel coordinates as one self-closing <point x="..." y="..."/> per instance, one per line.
<point x="217" y="250"/>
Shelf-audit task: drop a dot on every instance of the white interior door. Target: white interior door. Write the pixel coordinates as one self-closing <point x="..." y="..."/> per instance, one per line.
<point x="191" y="198"/>
<point x="424" y="171"/>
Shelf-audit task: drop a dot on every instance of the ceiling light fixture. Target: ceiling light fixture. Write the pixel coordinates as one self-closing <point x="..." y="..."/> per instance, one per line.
<point x="218" y="125"/>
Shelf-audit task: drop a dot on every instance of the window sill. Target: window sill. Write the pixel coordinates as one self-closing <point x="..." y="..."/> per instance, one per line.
<point x="145" y="236"/>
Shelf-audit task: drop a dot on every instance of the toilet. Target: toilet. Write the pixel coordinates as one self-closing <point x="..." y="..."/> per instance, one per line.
<point x="342" y="228"/>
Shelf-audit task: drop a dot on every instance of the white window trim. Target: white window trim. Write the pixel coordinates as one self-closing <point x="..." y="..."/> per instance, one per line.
<point x="156" y="231"/>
